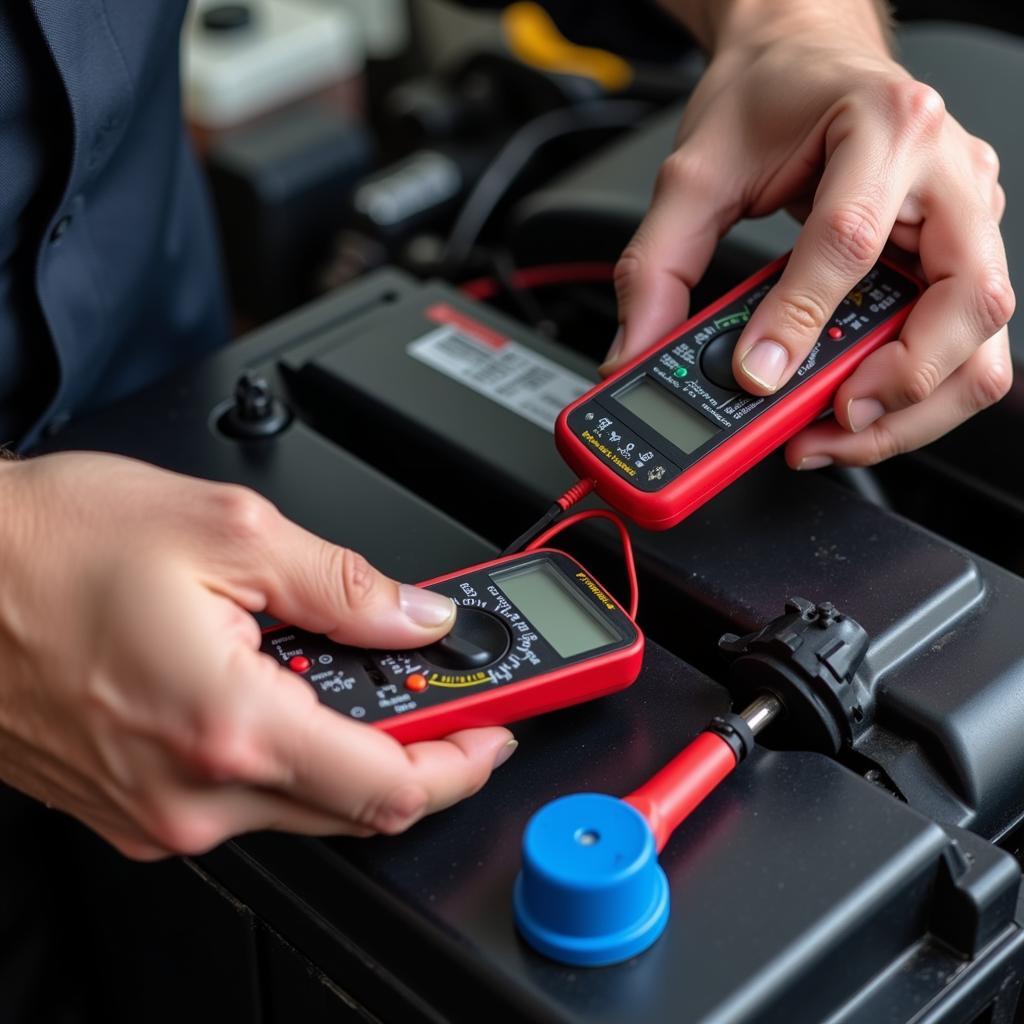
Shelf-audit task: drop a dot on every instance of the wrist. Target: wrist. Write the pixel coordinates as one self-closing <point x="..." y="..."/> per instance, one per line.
<point x="720" y="25"/>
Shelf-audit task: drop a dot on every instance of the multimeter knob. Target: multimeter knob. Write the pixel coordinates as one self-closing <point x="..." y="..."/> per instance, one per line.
<point x="716" y="362"/>
<point x="477" y="639"/>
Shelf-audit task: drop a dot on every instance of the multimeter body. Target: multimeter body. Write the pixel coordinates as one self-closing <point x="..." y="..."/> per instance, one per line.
<point x="673" y="428"/>
<point x="534" y="632"/>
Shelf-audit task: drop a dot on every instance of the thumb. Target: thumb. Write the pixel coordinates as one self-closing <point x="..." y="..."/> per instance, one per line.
<point x="315" y="585"/>
<point x="660" y="266"/>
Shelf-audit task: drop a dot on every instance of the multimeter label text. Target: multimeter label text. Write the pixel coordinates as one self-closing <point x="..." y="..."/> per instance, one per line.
<point x="622" y="448"/>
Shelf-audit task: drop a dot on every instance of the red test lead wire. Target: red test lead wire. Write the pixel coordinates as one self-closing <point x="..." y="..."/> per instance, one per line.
<point x="572" y="496"/>
<point x="627" y="546"/>
<point x="575" y="494"/>
<point x="528" y="278"/>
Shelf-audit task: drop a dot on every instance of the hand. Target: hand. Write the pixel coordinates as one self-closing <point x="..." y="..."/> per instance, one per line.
<point x="818" y="119"/>
<point x="133" y="693"/>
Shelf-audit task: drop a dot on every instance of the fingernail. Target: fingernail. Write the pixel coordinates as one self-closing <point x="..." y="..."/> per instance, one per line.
<point x="815" y="462"/>
<point x="615" y="351"/>
<point x="765" y="363"/>
<point x="505" y="753"/>
<point x="862" y="412"/>
<point x="424" y="607"/>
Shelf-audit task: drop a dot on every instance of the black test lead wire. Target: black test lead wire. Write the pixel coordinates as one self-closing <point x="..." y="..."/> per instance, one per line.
<point x="572" y="496"/>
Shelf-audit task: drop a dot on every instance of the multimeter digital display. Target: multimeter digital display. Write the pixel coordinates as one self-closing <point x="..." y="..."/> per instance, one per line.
<point x="671" y="429"/>
<point x="534" y="632"/>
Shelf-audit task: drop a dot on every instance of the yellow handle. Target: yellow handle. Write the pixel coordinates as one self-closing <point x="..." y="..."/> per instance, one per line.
<point x="534" y="38"/>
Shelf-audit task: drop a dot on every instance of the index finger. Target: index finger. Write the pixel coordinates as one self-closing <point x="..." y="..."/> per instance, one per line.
<point x="667" y="256"/>
<point x="356" y="772"/>
<point x="866" y="180"/>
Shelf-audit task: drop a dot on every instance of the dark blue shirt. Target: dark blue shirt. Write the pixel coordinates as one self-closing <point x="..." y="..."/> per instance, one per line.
<point x="109" y="273"/>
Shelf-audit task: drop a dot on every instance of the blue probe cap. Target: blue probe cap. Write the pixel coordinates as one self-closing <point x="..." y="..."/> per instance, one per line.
<point x="591" y="891"/>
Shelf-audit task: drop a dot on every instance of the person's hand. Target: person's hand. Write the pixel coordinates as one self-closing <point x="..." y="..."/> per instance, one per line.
<point x="132" y="691"/>
<point x="809" y="113"/>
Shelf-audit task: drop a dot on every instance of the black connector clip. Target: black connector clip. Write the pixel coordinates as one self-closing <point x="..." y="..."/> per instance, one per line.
<point x="808" y="658"/>
<point x="736" y="732"/>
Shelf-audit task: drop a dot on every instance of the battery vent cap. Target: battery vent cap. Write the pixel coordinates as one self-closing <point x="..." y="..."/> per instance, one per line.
<point x="591" y="891"/>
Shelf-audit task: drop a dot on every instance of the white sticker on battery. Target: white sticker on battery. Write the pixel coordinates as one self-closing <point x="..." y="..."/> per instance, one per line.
<point x="502" y="370"/>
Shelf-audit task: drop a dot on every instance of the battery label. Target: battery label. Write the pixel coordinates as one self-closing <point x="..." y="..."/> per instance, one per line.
<point x="514" y="376"/>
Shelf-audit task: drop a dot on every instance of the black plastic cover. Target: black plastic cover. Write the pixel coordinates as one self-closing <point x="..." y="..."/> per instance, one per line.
<point x="808" y="658"/>
<point x="946" y="661"/>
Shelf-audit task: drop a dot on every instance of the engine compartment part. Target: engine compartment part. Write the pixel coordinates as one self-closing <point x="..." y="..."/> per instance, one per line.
<point x="941" y="620"/>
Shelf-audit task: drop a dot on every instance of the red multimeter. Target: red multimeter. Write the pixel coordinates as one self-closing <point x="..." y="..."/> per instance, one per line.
<point x="534" y="632"/>
<point x="673" y="428"/>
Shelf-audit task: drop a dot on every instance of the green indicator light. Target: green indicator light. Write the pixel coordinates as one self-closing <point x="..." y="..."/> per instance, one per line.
<point x="741" y="316"/>
<point x="681" y="372"/>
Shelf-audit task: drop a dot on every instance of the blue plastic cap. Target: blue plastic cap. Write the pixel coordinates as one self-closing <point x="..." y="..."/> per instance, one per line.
<point x="591" y="891"/>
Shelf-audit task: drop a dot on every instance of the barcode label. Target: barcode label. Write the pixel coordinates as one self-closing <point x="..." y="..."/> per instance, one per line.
<point x="502" y="370"/>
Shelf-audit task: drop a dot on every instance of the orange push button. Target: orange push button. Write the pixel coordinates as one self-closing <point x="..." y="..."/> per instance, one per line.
<point x="416" y="682"/>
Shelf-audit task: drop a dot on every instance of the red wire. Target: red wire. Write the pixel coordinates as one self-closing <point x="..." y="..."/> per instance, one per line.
<point x="627" y="547"/>
<point x="540" y="277"/>
<point x="575" y="494"/>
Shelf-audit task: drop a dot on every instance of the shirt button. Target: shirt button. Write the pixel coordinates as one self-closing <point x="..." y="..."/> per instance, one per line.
<point x="59" y="228"/>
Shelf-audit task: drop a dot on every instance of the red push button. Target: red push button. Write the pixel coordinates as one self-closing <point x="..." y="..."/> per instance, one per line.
<point x="300" y="663"/>
<point x="416" y="682"/>
<point x="835" y="333"/>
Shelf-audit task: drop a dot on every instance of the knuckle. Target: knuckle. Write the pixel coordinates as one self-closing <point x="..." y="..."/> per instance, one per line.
<point x="801" y="313"/>
<point x="185" y="832"/>
<point x="918" y="108"/>
<point x="225" y="751"/>
<point x="921" y="382"/>
<point x="398" y="809"/>
<point x="993" y="383"/>
<point x="242" y="512"/>
<point x="681" y="170"/>
<point x="853" y="235"/>
<point x="986" y="158"/>
<point x="630" y="270"/>
<point x="357" y="578"/>
<point x="995" y="303"/>
<point x="672" y="173"/>
<point x="629" y="265"/>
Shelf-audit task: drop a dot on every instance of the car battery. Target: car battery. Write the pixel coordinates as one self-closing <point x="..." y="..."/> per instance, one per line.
<point x="801" y="890"/>
<point x="457" y="401"/>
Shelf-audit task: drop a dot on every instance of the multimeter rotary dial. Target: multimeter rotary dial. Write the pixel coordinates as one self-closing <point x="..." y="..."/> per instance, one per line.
<point x="491" y="642"/>
<point x="477" y="639"/>
<point x="716" y="360"/>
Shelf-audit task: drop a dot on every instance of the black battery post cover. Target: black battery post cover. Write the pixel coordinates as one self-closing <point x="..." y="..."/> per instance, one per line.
<point x="808" y="658"/>
<point x="255" y="413"/>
